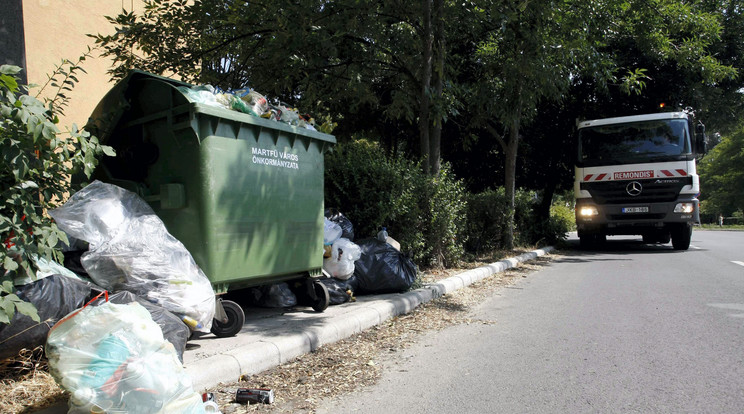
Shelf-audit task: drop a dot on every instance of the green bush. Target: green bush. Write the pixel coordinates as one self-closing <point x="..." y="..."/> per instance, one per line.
<point x="555" y="229"/>
<point x="374" y="190"/>
<point x="37" y="159"/>
<point x="446" y="231"/>
<point x="486" y="220"/>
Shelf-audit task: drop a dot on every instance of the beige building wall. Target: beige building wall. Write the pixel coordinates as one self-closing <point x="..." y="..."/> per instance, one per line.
<point x="56" y="30"/>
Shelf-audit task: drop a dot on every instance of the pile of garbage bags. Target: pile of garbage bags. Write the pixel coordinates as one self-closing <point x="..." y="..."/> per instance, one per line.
<point x="129" y="249"/>
<point x="113" y="357"/>
<point x="67" y="295"/>
<point x="126" y="251"/>
<point x="367" y="266"/>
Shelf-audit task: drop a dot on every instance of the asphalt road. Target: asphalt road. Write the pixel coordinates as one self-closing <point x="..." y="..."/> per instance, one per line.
<point x="628" y="328"/>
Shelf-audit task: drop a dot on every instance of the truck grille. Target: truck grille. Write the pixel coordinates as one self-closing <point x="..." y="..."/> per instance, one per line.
<point x="655" y="190"/>
<point x="655" y="216"/>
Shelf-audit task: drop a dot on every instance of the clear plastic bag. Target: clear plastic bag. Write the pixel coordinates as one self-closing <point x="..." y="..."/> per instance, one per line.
<point x="114" y="357"/>
<point x="257" y="102"/>
<point x="205" y="94"/>
<point x="331" y="232"/>
<point x="174" y="330"/>
<point x="343" y="255"/>
<point x="288" y="115"/>
<point x="347" y="228"/>
<point x="130" y="249"/>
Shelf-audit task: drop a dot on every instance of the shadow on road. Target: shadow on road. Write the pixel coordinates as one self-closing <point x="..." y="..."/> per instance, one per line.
<point x="573" y="253"/>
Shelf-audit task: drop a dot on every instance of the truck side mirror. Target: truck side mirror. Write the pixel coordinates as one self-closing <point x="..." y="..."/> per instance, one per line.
<point x="701" y="146"/>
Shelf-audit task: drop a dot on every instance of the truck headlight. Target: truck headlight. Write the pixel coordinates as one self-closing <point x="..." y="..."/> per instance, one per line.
<point x="684" y="208"/>
<point x="588" y="211"/>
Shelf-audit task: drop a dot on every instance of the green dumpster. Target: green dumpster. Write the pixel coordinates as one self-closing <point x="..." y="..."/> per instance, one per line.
<point x="243" y="194"/>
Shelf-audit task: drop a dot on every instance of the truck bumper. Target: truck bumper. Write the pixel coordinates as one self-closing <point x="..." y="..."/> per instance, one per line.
<point x="635" y="218"/>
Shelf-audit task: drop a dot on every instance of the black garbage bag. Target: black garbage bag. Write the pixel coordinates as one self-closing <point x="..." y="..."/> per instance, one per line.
<point x="338" y="290"/>
<point x="382" y="269"/>
<point x="278" y="295"/>
<point x="347" y="228"/>
<point x="72" y="262"/>
<point x="174" y="329"/>
<point x="54" y="297"/>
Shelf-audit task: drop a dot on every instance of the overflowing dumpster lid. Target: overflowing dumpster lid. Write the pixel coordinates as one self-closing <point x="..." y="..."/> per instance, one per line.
<point x="115" y="106"/>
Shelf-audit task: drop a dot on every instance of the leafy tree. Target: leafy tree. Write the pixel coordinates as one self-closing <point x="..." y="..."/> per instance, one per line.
<point x="378" y="66"/>
<point x="529" y="57"/>
<point x="722" y="176"/>
<point x="541" y="48"/>
<point x="430" y="75"/>
<point x="37" y="161"/>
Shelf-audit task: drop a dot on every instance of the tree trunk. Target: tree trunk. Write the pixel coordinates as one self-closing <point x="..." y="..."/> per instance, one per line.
<point x="439" y="55"/>
<point x="424" y="111"/>
<point x="510" y="181"/>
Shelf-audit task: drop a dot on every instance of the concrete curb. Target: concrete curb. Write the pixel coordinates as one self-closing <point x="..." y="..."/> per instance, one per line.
<point x="259" y="356"/>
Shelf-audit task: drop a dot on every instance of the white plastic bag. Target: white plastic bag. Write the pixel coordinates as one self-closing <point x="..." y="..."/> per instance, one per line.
<point x="114" y="357"/>
<point x="130" y="249"/>
<point x="343" y="255"/>
<point x="331" y="232"/>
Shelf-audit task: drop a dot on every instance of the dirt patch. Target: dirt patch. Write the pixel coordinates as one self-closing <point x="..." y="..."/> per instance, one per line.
<point x="26" y="385"/>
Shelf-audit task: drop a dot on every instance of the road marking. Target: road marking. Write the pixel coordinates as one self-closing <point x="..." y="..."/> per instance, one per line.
<point x="739" y="263"/>
<point x="696" y="248"/>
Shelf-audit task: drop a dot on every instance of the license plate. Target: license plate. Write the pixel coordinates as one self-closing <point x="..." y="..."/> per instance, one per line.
<point x="635" y="209"/>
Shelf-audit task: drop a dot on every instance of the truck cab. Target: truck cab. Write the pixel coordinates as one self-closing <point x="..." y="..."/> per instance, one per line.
<point x="636" y="175"/>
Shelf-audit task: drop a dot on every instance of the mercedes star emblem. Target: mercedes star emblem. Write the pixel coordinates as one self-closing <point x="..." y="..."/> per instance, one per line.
<point x="634" y="188"/>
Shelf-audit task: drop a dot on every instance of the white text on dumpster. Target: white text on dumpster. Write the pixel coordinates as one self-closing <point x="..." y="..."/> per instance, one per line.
<point x="275" y="158"/>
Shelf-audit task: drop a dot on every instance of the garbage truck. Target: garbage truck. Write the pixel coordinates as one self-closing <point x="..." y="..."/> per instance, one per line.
<point x="636" y="175"/>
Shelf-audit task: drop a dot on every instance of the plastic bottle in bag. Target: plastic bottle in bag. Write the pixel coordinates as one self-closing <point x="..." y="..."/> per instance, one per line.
<point x="382" y="235"/>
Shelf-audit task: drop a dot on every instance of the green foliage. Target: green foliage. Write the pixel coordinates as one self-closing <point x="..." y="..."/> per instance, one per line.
<point x="374" y="190"/>
<point x="487" y="220"/>
<point x="37" y="160"/>
<point x="447" y="207"/>
<point x="426" y="215"/>
<point x="342" y="57"/>
<point x="561" y="221"/>
<point x="562" y="211"/>
<point x="634" y="81"/>
<point x="722" y="176"/>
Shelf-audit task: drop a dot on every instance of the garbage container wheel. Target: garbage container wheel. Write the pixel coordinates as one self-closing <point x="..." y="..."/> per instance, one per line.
<point x="235" y="320"/>
<point x="322" y="297"/>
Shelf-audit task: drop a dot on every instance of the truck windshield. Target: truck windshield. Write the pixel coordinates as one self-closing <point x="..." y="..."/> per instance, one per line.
<point x="636" y="142"/>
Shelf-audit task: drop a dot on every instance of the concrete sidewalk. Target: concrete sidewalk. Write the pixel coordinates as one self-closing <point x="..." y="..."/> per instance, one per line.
<point x="271" y="337"/>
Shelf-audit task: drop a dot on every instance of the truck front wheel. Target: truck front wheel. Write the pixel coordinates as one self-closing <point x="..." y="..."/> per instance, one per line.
<point x="681" y="236"/>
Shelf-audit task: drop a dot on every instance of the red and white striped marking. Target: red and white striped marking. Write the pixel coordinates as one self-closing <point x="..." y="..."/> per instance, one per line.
<point x="597" y="177"/>
<point x="634" y="175"/>
<point x="673" y="173"/>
